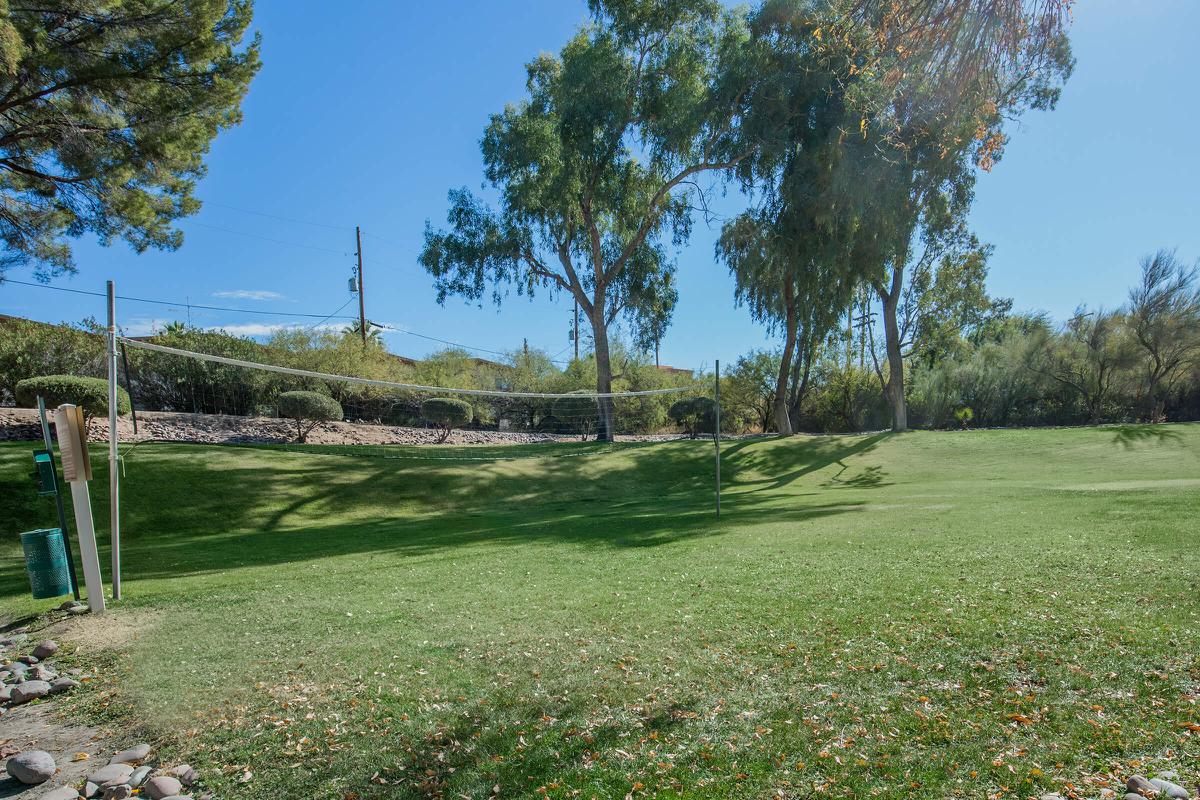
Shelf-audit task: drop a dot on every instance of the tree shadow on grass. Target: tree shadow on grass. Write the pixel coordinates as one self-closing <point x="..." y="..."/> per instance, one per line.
<point x="1129" y="436"/>
<point x="192" y="510"/>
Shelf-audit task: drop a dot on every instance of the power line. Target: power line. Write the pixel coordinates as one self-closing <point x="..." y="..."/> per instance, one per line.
<point x="271" y="239"/>
<point x="325" y="225"/>
<point x="296" y="314"/>
<point x="169" y="303"/>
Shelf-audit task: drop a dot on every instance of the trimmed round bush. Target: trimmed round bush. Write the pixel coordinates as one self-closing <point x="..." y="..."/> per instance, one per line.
<point x="446" y="413"/>
<point x="90" y="393"/>
<point x="577" y="414"/>
<point x="309" y="409"/>
<point x="695" y="414"/>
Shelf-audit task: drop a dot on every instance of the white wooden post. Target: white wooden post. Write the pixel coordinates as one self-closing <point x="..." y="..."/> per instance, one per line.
<point x="72" y="447"/>
<point x="114" y="480"/>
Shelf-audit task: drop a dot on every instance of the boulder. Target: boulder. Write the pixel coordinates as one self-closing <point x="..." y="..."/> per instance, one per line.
<point x="133" y="755"/>
<point x="1170" y="789"/>
<point x="29" y="690"/>
<point x="60" y="685"/>
<point x="161" y="787"/>
<point x="45" y="649"/>
<point x="32" y="767"/>
<point x="113" y="772"/>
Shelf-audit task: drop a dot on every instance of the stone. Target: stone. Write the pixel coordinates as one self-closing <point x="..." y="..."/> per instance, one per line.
<point x="139" y="776"/>
<point x="119" y="792"/>
<point x="60" y="685"/>
<point x="1170" y="789"/>
<point x="77" y="610"/>
<point x="178" y="797"/>
<point x="45" y="649"/>
<point x="29" y="690"/>
<point x="90" y="789"/>
<point x="118" y="772"/>
<point x="1168" y="775"/>
<point x="30" y="660"/>
<point x="5" y="694"/>
<point x="1052" y="796"/>
<point x="61" y="793"/>
<point x="1138" y="784"/>
<point x="161" y="787"/>
<point x="133" y="755"/>
<point x="32" y="767"/>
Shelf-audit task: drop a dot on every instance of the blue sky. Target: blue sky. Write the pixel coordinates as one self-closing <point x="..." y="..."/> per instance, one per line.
<point x="368" y="115"/>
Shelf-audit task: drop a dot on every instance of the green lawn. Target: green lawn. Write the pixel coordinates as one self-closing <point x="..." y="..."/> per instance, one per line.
<point x="991" y="613"/>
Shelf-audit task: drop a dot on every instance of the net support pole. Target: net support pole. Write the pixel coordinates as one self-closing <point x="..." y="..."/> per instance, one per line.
<point x="717" y="433"/>
<point x="114" y="488"/>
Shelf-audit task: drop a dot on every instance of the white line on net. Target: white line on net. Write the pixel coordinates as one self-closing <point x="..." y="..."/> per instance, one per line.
<point x="415" y="387"/>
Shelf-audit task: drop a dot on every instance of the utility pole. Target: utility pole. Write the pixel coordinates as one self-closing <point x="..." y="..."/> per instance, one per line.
<point x="576" y="328"/>
<point x="362" y="303"/>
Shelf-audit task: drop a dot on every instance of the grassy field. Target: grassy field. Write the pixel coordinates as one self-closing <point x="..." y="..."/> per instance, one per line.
<point x="976" y="614"/>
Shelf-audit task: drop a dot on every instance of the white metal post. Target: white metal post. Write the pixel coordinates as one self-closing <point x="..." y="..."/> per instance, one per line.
<point x="72" y="445"/>
<point x="717" y="436"/>
<point x="114" y="488"/>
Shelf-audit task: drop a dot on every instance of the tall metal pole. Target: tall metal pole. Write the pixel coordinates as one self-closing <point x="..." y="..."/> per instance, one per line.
<point x="576" y="328"/>
<point x="362" y="303"/>
<point x="717" y="436"/>
<point x="58" y="501"/>
<point x="114" y="488"/>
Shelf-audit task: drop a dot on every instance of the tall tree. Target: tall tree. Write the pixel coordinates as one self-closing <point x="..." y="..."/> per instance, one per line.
<point x="107" y="109"/>
<point x="594" y="167"/>
<point x="1089" y="357"/>
<point x="1164" y="316"/>
<point x="935" y="81"/>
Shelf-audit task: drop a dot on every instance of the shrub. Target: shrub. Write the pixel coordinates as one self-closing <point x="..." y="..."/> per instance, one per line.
<point x="964" y="416"/>
<point x="577" y="413"/>
<point x="90" y="393"/>
<point x="695" y="414"/>
<point x="446" y="413"/>
<point x="308" y="407"/>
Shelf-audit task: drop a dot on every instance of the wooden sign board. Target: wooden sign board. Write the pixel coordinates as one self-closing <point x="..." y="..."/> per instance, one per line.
<point x="72" y="443"/>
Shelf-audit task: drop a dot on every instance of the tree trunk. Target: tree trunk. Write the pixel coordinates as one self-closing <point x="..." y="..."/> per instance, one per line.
<point x="783" y="423"/>
<point x="604" y="405"/>
<point x="801" y="371"/>
<point x="891" y="330"/>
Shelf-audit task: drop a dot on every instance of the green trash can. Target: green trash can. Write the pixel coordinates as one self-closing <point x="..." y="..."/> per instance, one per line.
<point x="46" y="562"/>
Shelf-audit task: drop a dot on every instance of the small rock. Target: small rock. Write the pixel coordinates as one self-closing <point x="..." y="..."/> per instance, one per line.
<point x="132" y="755"/>
<point x="118" y="772"/>
<point x="1169" y="789"/>
<point x="1052" y="796"/>
<point x="90" y="789"/>
<point x="30" y="660"/>
<point x="45" y="649"/>
<point x="1133" y="796"/>
<point x="41" y="673"/>
<point x="32" y="766"/>
<point x="1168" y="775"/>
<point x="67" y="605"/>
<point x="118" y="792"/>
<point x="60" y="685"/>
<point x="178" y="797"/>
<point x="139" y="776"/>
<point x="61" y="793"/>
<point x="1137" y="784"/>
<point x="29" y="690"/>
<point x="5" y="694"/>
<point x="162" y="786"/>
<point x="180" y="770"/>
<point x="77" y="610"/>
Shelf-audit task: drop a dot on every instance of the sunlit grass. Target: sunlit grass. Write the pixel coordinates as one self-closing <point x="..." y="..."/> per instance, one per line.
<point x="966" y="614"/>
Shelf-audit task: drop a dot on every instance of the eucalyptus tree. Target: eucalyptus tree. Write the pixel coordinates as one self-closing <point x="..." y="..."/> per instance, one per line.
<point x="594" y="168"/>
<point x="1164" y="317"/>
<point x="107" y="109"/>
<point x="934" y="83"/>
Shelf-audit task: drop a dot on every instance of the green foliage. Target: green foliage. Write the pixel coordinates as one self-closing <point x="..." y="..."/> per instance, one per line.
<point x="594" y="166"/>
<point x="90" y="393"/>
<point x="109" y="109"/>
<point x="308" y="409"/>
<point x="446" y="413"/>
<point x="964" y="416"/>
<point x="576" y="414"/>
<point x="30" y="348"/>
<point x="748" y="392"/>
<point x="696" y="415"/>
